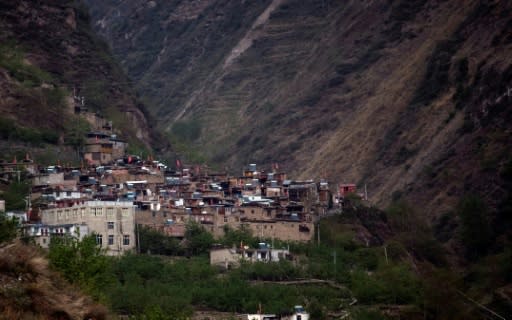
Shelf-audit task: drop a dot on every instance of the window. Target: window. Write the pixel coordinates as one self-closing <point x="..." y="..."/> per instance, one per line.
<point x="97" y="212"/>
<point x="125" y="212"/>
<point x="99" y="240"/>
<point x="110" y="225"/>
<point x="110" y="212"/>
<point x="126" y="240"/>
<point x="110" y="239"/>
<point x="225" y="219"/>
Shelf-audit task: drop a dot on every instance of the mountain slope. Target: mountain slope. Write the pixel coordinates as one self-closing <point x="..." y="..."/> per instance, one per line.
<point x="30" y="290"/>
<point x="49" y="52"/>
<point x="408" y="97"/>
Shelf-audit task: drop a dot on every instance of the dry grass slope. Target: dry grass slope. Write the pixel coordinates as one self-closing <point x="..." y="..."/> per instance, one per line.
<point x="30" y="290"/>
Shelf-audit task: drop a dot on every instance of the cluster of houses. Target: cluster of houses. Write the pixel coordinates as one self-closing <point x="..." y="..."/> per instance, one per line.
<point x="111" y="200"/>
<point x="112" y="194"/>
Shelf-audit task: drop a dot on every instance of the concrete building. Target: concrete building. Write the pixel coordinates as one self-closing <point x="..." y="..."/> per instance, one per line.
<point x="231" y="257"/>
<point x="112" y="222"/>
<point x="41" y="233"/>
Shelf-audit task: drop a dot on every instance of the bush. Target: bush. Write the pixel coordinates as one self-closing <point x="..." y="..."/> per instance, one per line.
<point x="198" y="239"/>
<point x="81" y="262"/>
<point x="271" y="271"/>
<point x="367" y="258"/>
<point x="367" y="289"/>
<point x="15" y="195"/>
<point x="8" y="228"/>
<point x="11" y="130"/>
<point x="400" y="216"/>
<point x="154" y="242"/>
<point x="187" y="130"/>
<point x="234" y="237"/>
<point x="475" y="227"/>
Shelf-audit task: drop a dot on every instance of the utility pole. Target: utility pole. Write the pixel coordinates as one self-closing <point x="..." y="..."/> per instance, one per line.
<point x="138" y="239"/>
<point x="318" y="232"/>
<point x="334" y="262"/>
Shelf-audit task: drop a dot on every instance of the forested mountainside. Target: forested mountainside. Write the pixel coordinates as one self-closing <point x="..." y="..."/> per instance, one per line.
<point x="48" y="52"/>
<point x="410" y="98"/>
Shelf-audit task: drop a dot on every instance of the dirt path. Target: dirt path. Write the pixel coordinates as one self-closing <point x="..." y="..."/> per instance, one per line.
<point x="240" y="48"/>
<point x="252" y="34"/>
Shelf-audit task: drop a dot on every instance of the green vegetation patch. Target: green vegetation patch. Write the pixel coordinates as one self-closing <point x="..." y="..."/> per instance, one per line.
<point x="12" y="60"/>
<point x="188" y="130"/>
<point x="9" y="130"/>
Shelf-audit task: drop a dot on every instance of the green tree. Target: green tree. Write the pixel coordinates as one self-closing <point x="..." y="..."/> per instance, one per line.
<point x="77" y="128"/>
<point x="15" y="195"/>
<point x="81" y="262"/>
<point x="198" y="239"/>
<point x="237" y="236"/>
<point x="152" y="241"/>
<point x="8" y="228"/>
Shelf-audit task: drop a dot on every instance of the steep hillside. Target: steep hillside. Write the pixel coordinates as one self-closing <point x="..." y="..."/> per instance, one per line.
<point x="48" y="52"/>
<point x="408" y="97"/>
<point x="30" y="290"/>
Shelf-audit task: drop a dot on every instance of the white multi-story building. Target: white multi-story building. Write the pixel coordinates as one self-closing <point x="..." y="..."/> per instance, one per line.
<point x="112" y="222"/>
<point x="42" y="233"/>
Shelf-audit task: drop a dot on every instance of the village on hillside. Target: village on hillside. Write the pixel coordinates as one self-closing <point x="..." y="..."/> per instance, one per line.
<point x="113" y="193"/>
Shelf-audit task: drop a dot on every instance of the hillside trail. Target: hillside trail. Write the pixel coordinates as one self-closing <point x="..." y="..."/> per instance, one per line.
<point x="242" y="45"/>
<point x="246" y="42"/>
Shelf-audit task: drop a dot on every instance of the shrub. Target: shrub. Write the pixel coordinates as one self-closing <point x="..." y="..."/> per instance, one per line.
<point x="367" y="258"/>
<point x="15" y="195"/>
<point x="198" y="239"/>
<point x="400" y="216"/>
<point x="475" y="228"/>
<point x="187" y="130"/>
<point x="81" y="262"/>
<point x="154" y="242"/>
<point x="234" y="237"/>
<point x="8" y="228"/>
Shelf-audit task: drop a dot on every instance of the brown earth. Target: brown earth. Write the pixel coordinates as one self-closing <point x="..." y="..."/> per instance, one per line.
<point x="30" y="290"/>
<point x="407" y="97"/>
<point x="59" y="56"/>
